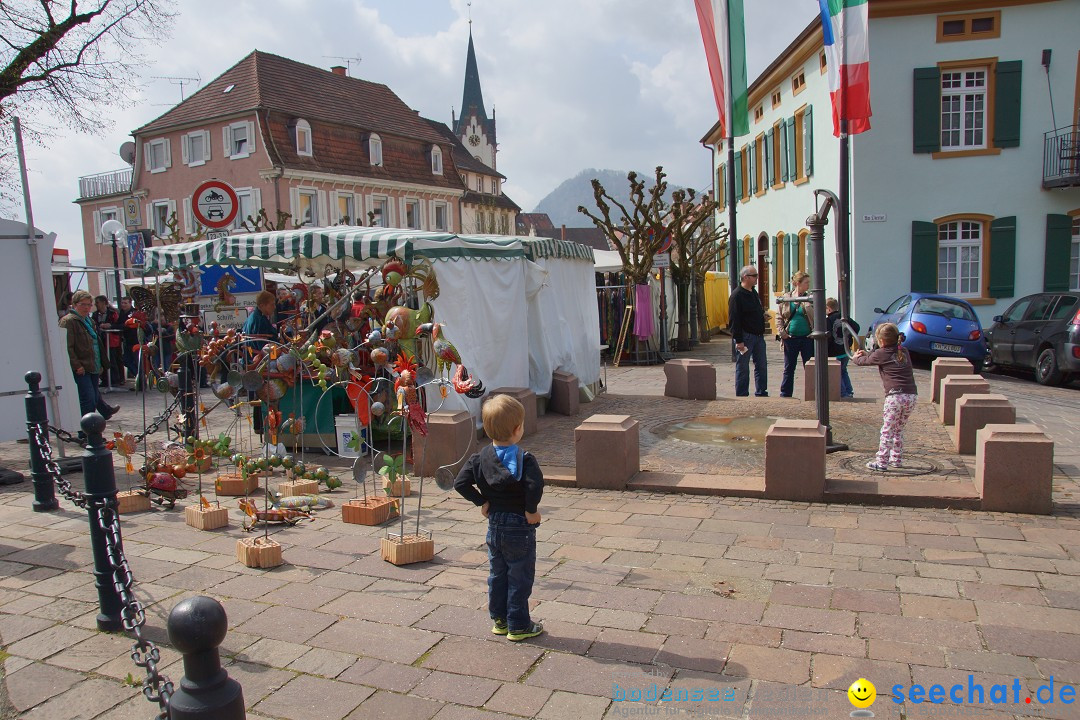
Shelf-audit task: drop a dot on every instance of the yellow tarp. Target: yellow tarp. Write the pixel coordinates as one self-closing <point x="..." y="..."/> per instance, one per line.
<point x="716" y="299"/>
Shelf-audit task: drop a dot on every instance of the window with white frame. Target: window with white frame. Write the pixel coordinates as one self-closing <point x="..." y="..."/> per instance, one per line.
<point x="160" y="211"/>
<point x="238" y="139"/>
<point x="412" y="214"/>
<point x="303" y="138"/>
<point x="375" y="149"/>
<point x="308" y="209"/>
<point x="380" y="208"/>
<point x="436" y="160"/>
<point x="960" y="245"/>
<point x="100" y="217"/>
<point x="245" y="207"/>
<point x="157" y="158"/>
<point x="479" y="183"/>
<point x="963" y="109"/>
<point x="441" y="213"/>
<point x="346" y="209"/>
<point x="1074" y="256"/>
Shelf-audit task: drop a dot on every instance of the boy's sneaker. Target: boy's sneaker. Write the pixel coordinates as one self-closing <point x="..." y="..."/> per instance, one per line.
<point x="519" y="635"/>
<point x="500" y="627"/>
<point x="875" y="465"/>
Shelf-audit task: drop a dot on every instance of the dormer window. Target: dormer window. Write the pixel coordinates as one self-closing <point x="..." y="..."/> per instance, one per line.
<point x="375" y="149"/>
<point x="436" y="160"/>
<point x="303" y="138"/>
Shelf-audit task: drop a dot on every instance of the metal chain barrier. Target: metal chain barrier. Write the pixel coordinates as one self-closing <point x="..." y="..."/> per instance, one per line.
<point x="144" y="653"/>
<point x="42" y="438"/>
<point x="64" y="435"/>
<point x="158" y="421"/>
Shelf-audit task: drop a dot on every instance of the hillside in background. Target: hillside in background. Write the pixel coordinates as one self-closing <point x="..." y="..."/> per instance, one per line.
<point x="561" y="204"/>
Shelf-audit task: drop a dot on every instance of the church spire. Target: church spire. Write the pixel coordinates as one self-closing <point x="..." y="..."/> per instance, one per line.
<point x="472" y="98"/>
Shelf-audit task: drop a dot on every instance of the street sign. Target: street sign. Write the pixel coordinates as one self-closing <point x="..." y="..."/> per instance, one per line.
<point x="242" y="280"/>
<point x="232" y="319"/>
<point x="217" y="234"/>
<point x="136" y="248"/>
<point x="132" y="212"/>
<point x="214" y="204"/>
<point x="661" y="260"/>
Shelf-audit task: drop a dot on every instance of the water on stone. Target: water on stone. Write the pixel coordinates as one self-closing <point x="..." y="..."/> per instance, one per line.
<point x="733" y="432"/>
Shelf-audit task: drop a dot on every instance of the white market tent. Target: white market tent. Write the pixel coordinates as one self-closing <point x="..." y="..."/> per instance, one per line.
<point x="516" y="308"/>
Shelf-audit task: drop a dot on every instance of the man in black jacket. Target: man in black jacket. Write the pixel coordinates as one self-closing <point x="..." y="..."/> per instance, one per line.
<point x="748" y="333"/>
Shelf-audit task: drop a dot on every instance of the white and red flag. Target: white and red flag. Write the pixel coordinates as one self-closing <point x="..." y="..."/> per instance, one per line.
<point x="723" y="31"/>
<point x="845" y="27"/>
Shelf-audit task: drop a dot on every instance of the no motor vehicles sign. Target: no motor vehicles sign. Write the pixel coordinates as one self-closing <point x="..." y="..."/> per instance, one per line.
<point x="214" y="204"/>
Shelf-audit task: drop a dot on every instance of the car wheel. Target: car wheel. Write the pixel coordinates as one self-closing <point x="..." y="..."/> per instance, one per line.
<point x="1047" y="371"/>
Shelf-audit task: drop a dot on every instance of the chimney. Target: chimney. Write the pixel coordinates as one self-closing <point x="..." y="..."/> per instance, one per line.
<point x="563" y="236"/>
<point x="338" y="70"/>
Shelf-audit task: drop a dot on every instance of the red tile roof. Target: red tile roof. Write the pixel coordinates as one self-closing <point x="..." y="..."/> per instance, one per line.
<point x="499" y="201"/>
<point x="540" y="221"/>
<point x="462" y="157"/>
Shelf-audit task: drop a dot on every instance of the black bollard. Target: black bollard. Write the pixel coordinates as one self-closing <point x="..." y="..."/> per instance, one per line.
<point x="101" y="485"/>
<point x="37" y="416"/>
<point x="197" y="627"/>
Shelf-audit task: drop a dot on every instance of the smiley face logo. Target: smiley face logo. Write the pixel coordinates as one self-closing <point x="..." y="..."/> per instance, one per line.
<point x="862" y="693"/>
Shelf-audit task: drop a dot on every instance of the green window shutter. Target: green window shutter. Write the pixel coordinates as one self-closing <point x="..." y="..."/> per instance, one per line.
<point x="752" y="164"/>
<point x="790" y="133"/>
<point x="770" y="169"/>
<point x="808" y="141"/>
<point x="738" y="175"/>
<point x="790" y="261"/>
<point x="739" y="252"/>
<point x="783" y="150"/>
<point x="1058" y="247"/>
<point x="775" y="261"/>
<point x="1002" y="256"/>
<point x="926" y="108"/>
<point x="924" y="258"/>
<point x="1007" y="104"/>
<point x="721" y="185"/>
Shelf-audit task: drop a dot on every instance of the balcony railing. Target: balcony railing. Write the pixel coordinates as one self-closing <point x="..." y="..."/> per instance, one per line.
<point x="113" y="182"/>
<point x="1061" y="157"/>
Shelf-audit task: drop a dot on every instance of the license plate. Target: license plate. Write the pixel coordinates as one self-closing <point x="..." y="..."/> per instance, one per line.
<point x="946" y="348"/>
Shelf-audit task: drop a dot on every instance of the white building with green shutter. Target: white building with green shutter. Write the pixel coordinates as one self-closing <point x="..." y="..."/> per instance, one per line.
<point x="962" y="186"/>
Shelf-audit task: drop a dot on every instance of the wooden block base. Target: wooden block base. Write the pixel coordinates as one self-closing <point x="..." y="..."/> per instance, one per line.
<point x="393" y="489"/>
<point x="293" y="488"/>
<point x="132" y="501"/>
<point x="258" y="552"/>
<point x="374" y="511"/>
<point x="408" y="549"/>
<point x="202" y="518"/>
<point x="236" y="485"/>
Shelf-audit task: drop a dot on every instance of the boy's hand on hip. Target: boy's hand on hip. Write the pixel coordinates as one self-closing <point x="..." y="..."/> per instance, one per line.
<point x="485" y="509"/>
<point x="533" y="518"/>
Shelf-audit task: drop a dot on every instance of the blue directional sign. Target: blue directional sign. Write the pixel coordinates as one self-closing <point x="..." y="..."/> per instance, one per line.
<point x="135" y="248"/>
<point x="245" y="280"/>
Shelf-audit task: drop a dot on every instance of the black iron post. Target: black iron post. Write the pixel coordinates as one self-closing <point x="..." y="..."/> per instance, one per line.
<point x="37" y="416"/>
<point x="101" y="490"/>
<point x="817" y="223"/>
<point x="188" y="373"/>
<point x="197" y="627"/>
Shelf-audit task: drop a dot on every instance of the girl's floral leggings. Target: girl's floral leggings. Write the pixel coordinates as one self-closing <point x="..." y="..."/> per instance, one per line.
<point x="895" y="416"/>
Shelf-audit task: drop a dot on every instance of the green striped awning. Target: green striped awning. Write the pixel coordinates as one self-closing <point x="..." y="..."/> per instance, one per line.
<point x="359" y="244"/>
<point x="539" y="247"/>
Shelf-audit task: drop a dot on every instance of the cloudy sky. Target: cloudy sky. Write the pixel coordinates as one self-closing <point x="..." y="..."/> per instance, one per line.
<point x="574" y="84"/>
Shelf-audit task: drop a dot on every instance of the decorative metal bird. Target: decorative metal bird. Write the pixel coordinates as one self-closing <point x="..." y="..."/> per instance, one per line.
<point x="445" y="352"/>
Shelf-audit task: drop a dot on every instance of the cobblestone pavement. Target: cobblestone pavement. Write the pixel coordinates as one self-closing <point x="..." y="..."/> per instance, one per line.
<point x="776" y="606"/>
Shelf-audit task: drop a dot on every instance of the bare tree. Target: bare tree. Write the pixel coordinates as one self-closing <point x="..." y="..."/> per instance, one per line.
<point x="64" y="64"/>
<point x="639" y="232"/>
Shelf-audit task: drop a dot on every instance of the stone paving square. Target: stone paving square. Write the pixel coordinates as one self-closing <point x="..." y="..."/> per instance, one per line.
<point x="778" y="605"/>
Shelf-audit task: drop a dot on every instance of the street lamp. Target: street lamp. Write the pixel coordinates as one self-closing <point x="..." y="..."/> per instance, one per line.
<point x="112" y="228"/>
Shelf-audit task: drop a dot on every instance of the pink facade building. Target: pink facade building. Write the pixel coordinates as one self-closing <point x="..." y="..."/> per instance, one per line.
<point x="308" y="146"/>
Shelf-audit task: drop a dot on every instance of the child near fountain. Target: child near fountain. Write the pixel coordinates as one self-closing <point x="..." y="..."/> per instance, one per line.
<point x="507" y="484"/>
<point x="894" y="365"/>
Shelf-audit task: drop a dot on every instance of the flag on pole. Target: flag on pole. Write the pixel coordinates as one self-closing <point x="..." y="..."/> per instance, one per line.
<point x="845" y="27"/>
<point x="722" y="30"/>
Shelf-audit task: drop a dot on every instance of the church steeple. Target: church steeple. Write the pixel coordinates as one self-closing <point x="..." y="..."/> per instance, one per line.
<point x="473" y="127"/>
<point x="472" y="98"/>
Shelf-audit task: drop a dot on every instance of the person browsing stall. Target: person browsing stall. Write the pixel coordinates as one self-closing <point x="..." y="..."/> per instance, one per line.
<point x="506" y="484"/>
<point x="747" y="319"/>
<point x="84" y="353"/>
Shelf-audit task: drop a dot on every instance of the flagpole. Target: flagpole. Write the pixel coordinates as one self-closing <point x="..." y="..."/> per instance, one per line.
<point x="843" y="210"/>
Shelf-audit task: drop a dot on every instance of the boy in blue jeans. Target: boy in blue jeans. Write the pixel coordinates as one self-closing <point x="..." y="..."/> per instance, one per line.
<point x="506" y="483"/>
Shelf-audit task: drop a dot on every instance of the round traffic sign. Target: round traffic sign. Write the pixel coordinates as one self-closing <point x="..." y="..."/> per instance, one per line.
<point x="214" y="204"/>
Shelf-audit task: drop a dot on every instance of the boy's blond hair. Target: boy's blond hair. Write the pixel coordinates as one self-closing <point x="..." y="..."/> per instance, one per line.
<point x="502" y="415"/>
<point x="831" y="303"/>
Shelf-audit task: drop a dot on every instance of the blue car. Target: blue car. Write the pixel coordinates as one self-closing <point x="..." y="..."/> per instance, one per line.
<point x="936" y="325"/>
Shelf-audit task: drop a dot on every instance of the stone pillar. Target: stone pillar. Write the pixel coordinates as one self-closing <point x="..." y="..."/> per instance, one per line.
<point x="810" y="380"/>
<point x="795" y="460"/>
<point x="943" y="367"/>
<point x="527" y="398"/>
<point x="690" y="379"/>
<point x="565" y="398"/>
<point x="974" y="412"/>
<point x="196" y="628"/>
<point x="607" y="451"/>
<point x="450" y="439"/>
<point x="955" y="387"/>
<point x="1014" y="469"/>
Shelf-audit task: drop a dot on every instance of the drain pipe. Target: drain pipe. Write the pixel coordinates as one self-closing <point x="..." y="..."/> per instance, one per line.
<point x="817" y="223"/>
<point x="31" y="240"/>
